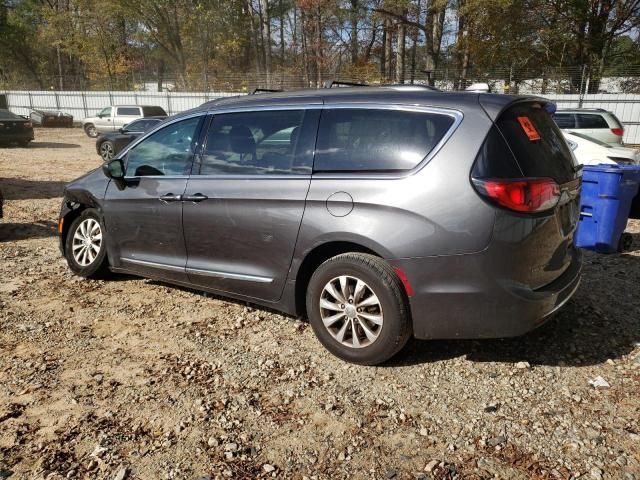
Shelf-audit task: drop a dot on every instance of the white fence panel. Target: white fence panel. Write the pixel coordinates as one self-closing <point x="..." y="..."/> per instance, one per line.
<point x="86" y="104"/>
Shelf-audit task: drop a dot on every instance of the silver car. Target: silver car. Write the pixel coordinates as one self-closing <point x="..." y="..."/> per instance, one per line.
<point x="378" y="213"/>
<point x="112" y="119"/>
<point x="597" y="123"/>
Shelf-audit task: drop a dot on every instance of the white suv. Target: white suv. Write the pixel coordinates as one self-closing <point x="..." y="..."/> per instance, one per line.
<point x="111" y="119"/>
<point x="596" y="123"/>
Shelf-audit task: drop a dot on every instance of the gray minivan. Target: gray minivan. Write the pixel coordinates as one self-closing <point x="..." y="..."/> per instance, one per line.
<point x="378" y="213"/>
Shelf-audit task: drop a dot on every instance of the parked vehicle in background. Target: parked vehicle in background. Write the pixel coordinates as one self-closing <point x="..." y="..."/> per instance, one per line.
<point x="110" y="144"/>
<point x="596" y="123"/>
<point x="591" y="151"/>
<point x="15" y="129"/>
<point x="352" y="206"/>
<point x="50" y="118"/>
<point x="111" y="119"/>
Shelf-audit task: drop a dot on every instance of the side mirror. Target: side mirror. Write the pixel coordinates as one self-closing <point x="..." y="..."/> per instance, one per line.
<point x="114" y="169"/>
<point x="100" y="115"/>
<point x="122" y="130"/>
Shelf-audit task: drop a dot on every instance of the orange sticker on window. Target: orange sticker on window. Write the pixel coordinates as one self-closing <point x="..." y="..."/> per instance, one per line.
<point x="529" y="129"/>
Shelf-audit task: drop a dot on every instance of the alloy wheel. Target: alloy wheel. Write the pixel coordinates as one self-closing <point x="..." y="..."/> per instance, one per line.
<point x="87" y="242"/>
<point x="351" y="311"/>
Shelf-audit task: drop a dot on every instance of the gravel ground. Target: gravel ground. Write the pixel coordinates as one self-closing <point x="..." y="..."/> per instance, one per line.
<point x="134" y="379"/>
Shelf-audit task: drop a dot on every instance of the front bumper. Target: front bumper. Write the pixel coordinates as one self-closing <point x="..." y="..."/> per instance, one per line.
<point x="455" y="298"/>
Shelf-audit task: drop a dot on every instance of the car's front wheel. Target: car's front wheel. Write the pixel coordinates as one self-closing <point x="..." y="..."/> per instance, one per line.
<point x="358" y="309"/>
<point x="90" y="130"/>
<point x="85" y="248"/>
<point x="107" y="150"/>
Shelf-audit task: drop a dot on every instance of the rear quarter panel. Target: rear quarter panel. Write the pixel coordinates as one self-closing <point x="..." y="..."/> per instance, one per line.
<point x="431" y="211"/>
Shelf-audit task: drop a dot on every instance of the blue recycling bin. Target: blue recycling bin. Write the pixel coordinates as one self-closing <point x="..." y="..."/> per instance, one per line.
<point x="607" y="193"/>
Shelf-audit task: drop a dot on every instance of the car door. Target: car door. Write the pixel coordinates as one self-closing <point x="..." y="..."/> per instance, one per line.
<point x="245" y="199"/>
<point x="143" y="214"/>
<point x="104" y="121"/>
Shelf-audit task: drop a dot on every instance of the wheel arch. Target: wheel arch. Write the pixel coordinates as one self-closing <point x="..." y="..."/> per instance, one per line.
<point x="316" y="257"/>
<point x="74" y="204"/>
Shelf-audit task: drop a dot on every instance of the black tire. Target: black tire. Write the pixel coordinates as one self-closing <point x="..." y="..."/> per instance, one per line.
<point x="24" y="143"/>
<point x="107" y="150"/>
<point x="383" y="282"/>
<point x="90" y="130"/>
<point x="99" y="266"/>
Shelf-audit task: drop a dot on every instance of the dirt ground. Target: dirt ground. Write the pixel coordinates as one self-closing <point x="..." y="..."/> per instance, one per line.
<point x="135" y="379"/>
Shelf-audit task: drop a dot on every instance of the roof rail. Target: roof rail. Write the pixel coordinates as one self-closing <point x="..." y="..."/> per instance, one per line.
<point x="331" y="83"/>
<point x="411" y="87"/>
<point x="265" y="90"/>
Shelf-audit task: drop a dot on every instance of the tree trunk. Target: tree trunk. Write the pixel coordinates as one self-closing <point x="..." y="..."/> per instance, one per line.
<point x="401" y="39"/>
<point x="266" y="37"/>
<point x="354" y="31"/>
<point x="388" y="49"/>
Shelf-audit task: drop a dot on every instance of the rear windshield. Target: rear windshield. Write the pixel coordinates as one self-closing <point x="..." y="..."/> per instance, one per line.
<point x="7" y="115"/>
<point x="537" y="143"/>
<point x="153" y="112"/>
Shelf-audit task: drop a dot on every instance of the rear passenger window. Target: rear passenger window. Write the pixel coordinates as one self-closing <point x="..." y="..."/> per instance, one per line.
<point x="259" y="143"/>
<point x="565" y="120"/>
<point x="591" y="121"/>
<point x="376" y="140"/>
<point x="128" y="111"/>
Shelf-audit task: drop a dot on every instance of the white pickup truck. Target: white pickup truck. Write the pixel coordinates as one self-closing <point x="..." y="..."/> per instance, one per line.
<point x="112" y="119"/>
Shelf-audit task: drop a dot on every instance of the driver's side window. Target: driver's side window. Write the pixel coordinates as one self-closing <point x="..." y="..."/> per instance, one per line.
<point x="168" y="151"/>
<point x="106" y="112"/>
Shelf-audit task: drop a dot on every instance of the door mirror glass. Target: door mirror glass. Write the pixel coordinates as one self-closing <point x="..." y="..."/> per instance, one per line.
<point x="114" y="169"/>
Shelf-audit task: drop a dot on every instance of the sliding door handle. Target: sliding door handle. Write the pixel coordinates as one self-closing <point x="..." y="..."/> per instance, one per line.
<point x="170" y="197"/>
<point x="198" y="197"/>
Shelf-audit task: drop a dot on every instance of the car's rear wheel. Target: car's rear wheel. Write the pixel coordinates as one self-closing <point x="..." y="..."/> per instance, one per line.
<point x="107" y="150"/>
<point x="358" y="309"/>
<point x="90" y="130"/>
<point x="24" y="143"/>
<point x="85" y="248"/>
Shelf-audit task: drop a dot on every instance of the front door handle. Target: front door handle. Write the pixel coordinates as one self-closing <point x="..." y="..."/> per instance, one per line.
<point x="198" y="197"/>
<point x="170" y="197"/>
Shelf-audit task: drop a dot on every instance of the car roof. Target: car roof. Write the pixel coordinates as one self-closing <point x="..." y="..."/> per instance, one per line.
<point x="492" y="103"/>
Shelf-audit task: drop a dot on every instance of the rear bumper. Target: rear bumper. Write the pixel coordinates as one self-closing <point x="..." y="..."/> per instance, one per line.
<point x="19" y="136"/>
<point x="456" y="297"/>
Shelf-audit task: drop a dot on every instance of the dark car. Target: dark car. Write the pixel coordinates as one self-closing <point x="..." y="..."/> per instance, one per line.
<point x="51" y="118"/>
<point x="379" y="213"/>
<point x="110" y="144"/>
<point x="15" y="129"/>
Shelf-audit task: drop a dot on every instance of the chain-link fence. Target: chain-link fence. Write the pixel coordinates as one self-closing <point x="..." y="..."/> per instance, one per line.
<point x="565" y="80"/>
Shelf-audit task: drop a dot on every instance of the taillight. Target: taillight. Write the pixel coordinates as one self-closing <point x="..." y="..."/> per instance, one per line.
<point x="618" y="131"/>
<point x="27" y="125"/>
<point x="527" y="195"/>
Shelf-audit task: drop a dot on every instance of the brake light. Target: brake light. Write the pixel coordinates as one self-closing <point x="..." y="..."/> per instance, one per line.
<point x="526" y="195"/>
<point x="27" y="125"/>
<point x="618" y="131"/>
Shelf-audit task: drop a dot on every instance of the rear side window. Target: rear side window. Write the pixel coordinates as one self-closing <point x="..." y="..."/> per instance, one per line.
<point x="152" y="111"/>
<point x="565" y="120"/>
<point x="128" y="111"/>
<point x="278" y="142"/>
<point x="591" y="121"/>
<point x="536" y="142"/>
<point x="376" y="140"/>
